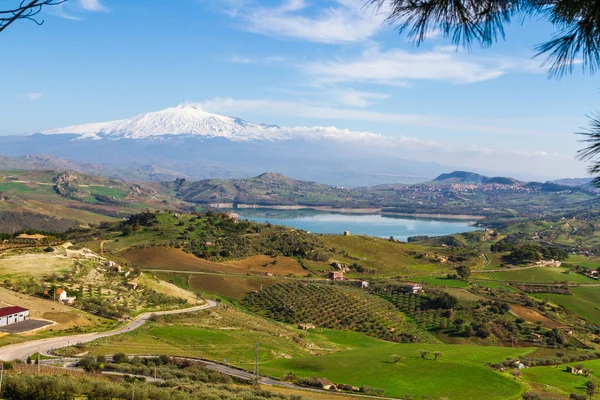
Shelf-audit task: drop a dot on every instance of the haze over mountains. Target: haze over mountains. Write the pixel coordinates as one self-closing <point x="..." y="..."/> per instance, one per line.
<point x="186" y="141"/>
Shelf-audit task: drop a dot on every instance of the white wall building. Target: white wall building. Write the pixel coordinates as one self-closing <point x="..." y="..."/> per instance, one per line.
<point x="12" y="315"/>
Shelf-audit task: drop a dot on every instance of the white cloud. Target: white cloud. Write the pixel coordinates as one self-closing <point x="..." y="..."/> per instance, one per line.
<point x="92" y="5"/>
<point x="341" y="21"/>
<point x="397" y="67"/>
<point x="31" y="96"/>
<point x="324" y="112"/>
<point x="356" y="98"/>
<point x="255" y="60"/>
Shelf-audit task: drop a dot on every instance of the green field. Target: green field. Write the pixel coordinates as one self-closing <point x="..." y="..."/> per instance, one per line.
<point x="342" y="356"/>
<point x="584" y="302"/>
<point x="442" y="281"/>
<point x="224" y="333"/>
<point x="107" y="191"/>
<point x="556" y="379"/>
<point x="538" y="275"/>
<point x="459" y="374"/>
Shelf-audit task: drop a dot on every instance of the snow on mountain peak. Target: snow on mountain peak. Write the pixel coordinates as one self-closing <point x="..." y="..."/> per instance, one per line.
<point x="192" y="121"/>
<point x="183" y="120"/>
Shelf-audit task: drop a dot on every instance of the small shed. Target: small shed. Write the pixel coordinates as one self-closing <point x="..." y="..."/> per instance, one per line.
<point x="575" y="370"/>
<point x="362" y="284"/>
<point x="346" y="233"/>
<point x="133" y="284"/>
<point x="336" y="275"/>
<point x="325" y="384"/>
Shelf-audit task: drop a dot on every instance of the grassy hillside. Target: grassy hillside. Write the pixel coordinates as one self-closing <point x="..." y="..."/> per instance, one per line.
<point x="335" y="307"/>
<point x="458" y="374"/>
<point x="73" y="196"/>
<point x="211" y="242"/>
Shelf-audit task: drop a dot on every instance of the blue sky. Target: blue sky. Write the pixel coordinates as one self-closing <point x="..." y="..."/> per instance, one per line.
<point x="297" y="63"/>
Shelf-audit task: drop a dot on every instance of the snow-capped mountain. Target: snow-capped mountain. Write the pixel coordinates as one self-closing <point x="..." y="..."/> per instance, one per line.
<point x="183" y="120"/>
<point x="192" y="121"/>
<point x="190" y="142"/>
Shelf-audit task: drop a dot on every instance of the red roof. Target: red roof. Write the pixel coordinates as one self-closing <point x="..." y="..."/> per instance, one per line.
<point x="11" y="310"/>
<point x="59" y="291"/>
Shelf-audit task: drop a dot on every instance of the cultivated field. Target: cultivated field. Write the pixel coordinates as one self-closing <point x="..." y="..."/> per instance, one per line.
<point x="534" y="316"/>
<point x="168" y="258"/>
<point x="37" y="264"/>
<point x="230" y="286"/>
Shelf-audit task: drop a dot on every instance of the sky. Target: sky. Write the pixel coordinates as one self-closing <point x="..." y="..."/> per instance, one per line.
<point x="298" y="63"/>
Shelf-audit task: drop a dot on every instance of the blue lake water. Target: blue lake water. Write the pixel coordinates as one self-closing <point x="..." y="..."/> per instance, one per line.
<point x="372" y="225"/>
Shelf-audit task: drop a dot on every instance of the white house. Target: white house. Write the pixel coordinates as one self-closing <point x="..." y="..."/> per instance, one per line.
<point x="63" y="297"/>
<point x="12" y="315"/>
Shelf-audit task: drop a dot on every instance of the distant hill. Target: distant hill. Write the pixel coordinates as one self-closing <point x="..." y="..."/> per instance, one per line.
<point x="265" y="189"/>
<point x="573" y="181"/>
<point x="471" y="177"/>
<point x="75" y="196"/>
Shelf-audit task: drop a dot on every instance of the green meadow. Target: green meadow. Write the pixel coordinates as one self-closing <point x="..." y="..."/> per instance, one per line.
<point x="556" y="379"/>
<point x="459" y="374"/>
<point x="584" y="302"/>
<point x="538" y="275"/>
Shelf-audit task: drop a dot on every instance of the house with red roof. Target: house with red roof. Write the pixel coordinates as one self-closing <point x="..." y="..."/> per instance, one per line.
<point x="12" y="315"/>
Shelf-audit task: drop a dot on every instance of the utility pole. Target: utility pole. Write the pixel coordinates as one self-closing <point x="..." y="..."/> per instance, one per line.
<point x="38" y="360"/>
<point x="1" y="375"/>
<point x="155" y="372"/>
<point x="133" y="392"/>
<point x="255" y="383"/>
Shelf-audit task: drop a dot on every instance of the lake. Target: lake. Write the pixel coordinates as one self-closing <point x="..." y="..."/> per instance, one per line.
<point x="372" y="225"/>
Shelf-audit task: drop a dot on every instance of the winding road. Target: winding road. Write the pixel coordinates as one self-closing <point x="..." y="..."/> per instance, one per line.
<point x="23" y="350"/>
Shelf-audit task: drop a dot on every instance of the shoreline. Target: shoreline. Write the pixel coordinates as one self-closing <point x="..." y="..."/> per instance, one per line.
<point x="378" y="211"/>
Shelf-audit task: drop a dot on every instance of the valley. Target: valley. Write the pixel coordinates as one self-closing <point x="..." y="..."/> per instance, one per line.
<point x="440" y="301"/>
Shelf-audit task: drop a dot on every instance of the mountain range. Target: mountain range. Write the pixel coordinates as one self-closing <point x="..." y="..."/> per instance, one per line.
<point x="186" y="141"/>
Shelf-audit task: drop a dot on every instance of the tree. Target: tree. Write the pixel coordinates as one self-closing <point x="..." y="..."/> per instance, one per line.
<point x="89" y="364"/>
<point x="437" y="354"/>
<point x="396" y="358"/>
<point x="25" y="9"/>
<point x="590" y="388"/>
<point x="464" y="272"/>
<point x="464" y="22"/>
<point x="424" y="353"/>
<point x="120" y="358"/>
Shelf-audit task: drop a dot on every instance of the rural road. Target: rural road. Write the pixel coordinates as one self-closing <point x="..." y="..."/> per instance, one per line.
<point x="23" y="350"/>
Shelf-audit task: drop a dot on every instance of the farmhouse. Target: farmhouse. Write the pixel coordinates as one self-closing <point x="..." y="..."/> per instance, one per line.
<point x="362" y="284"/>
<point x="133" y="284"/>
<point x="12" y="315"/>
<point x="413" y="288"/>
<point x="325" y="384"/>
<point x="575" y="370"/>
<point x="306" y="327"/>
<point x="63" y="297"/>
<point x="336" y="276"/>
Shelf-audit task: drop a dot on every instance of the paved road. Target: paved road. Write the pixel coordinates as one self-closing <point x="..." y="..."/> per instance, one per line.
<point x="23" y="350"/>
